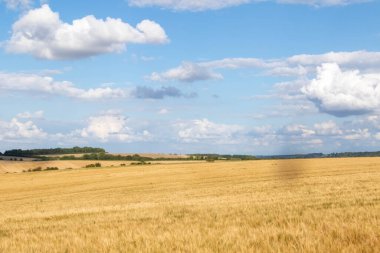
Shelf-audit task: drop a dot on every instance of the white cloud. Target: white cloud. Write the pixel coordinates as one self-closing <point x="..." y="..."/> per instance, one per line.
<point x="205" y="130"/>
<point x="364" y="60"/>
<point x="319" y="3"/>
<point x="19" y="82"/>
<point x="197" y="5"/>
<point x="192" y="5"/>
<point x="187" y="72"/>
<point x="106" y="126"/>
<point x="357" y="134"/>
<point x="343" y="83"/>
<point x="112" y="127"/>
<point x="46" y="85"/>
<point x="15" y="4"/>
<point x="163" y="111"/>
<point x="327" y="128"/>
<point x="297" y="66"/>
<point x="344" y="93"/>
<point x="41" y="33"/>
<point x="16" y="130"/>
<point x="297" y="130"/>
<point x="31" y="115"/>
<point x="314" y="142"/>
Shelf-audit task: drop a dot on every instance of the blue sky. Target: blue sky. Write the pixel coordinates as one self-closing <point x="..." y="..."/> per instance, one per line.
<point x="227" y="76"/>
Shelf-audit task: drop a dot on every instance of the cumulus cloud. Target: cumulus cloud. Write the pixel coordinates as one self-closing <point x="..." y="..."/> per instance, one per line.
<point x="18" y="129"/>
<point x="105" y="126"/>
<point x="20" y="82"/>
<point x="343" y="93"/>
<point x="342" y="83"/>
<point x="205" y="130"/>
<point x="41" y="33"/>
<point x="196" y="5"/>
<point x="108" y="127"/>
<point x="144" y="92"/>
<point x="325" y="132"/>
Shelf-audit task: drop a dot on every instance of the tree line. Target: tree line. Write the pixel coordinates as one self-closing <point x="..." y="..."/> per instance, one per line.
<point x="52" y="151"/>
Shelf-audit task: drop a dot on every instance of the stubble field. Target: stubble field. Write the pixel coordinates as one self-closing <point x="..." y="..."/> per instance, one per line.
<point x="20" y="166"/>
<point x="317" y="205"/>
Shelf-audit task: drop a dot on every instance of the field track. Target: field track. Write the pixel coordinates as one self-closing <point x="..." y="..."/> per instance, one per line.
<point x="316" y="205"/>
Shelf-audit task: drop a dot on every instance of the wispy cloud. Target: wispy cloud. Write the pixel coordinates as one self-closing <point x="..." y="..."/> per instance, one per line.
<point x="18" y="4"/>
<point x="296" y="66"/>
<point x="186" y="72"/>
<point x="144" y="92"/>
<point x="196" y="5"/>
<point x="33" y="83"/>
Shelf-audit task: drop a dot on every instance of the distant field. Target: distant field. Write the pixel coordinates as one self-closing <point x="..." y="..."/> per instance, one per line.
<point x="150" y="155"/>
<point x="62" y="155"/>
<point x="7" y="158"/>
<point x="20" y="166"/>
<point x="318" y="205"/>
<point x="156" y="155"/>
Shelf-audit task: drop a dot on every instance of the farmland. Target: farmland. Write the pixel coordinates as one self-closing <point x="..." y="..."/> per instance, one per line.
<point x="20" y="166"/>
<point x="313" y="205"/>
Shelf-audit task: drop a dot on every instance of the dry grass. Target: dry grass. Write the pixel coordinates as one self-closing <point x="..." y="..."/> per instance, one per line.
<point x="321" y="205"/>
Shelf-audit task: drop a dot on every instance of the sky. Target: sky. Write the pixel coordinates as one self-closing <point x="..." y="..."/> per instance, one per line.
<point x="187" y="76"/>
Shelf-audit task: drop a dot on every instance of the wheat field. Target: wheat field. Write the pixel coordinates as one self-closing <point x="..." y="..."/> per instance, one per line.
<point x="316" y="205"/>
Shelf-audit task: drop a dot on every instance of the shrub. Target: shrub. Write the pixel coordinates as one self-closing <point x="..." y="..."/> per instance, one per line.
<point x="140" y="163"/>
<point x="52" y="168"/>
<point x="36" y="169"/>
<point x="96" y="165"/>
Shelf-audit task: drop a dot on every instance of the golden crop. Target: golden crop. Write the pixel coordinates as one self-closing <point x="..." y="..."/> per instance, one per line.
<point x="318" y="205"/>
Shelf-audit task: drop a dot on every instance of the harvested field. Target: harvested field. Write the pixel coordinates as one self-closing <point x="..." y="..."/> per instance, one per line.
<point x="20" y="166"/>
<point x="157" y="155"/>
<point x="317" y="205"/>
